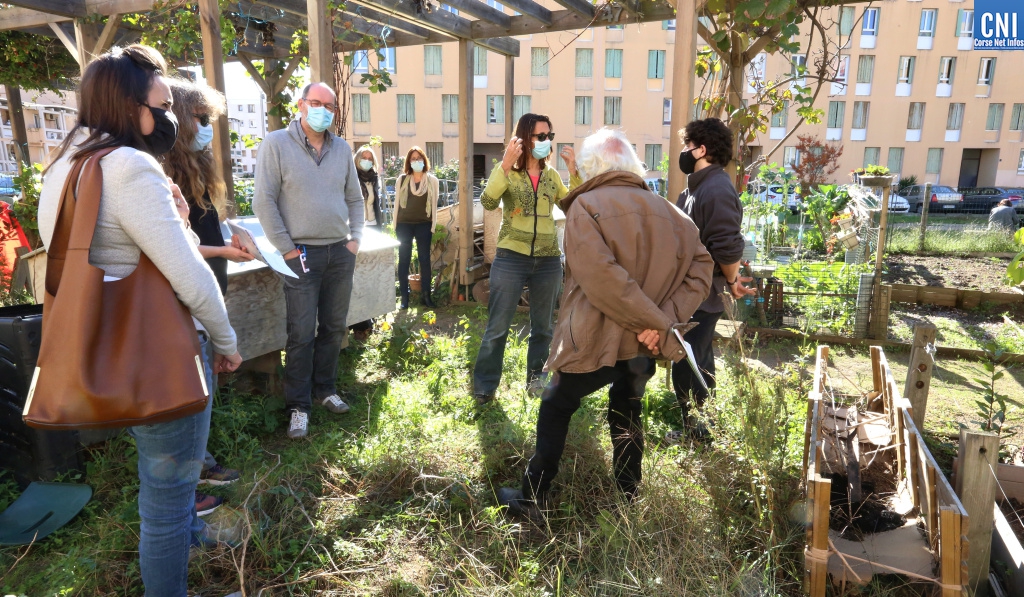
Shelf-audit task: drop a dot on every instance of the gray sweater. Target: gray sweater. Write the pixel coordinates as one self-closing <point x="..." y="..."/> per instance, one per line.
<point x="137" y="215"/>
<point x="300" y="199"/>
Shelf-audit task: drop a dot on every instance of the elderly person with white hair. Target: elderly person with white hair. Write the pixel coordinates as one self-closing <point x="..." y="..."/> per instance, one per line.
<point x="635" y="269"/>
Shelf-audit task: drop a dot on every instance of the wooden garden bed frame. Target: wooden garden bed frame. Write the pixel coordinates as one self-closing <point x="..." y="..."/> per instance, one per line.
<point x="944" y="517"/>
<point x="950" y="297"/>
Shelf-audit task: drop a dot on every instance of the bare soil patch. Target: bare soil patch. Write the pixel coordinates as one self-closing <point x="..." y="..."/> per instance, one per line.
<point x="969" y="273"/>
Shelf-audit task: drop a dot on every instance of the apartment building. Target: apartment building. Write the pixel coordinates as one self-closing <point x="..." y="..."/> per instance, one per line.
<point x="912" y="94"/>
<point x="247" y="115"/>
<point x="583" y="80"/>
<point x="48" y="118"/>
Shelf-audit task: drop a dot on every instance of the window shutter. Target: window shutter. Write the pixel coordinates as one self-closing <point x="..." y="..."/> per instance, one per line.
<point x="613" y="64"/>
<point x="584" y="62"/>
<point x="539" y="60"/>
<point x="959" y="21"/>
<point x="895" y="159"/>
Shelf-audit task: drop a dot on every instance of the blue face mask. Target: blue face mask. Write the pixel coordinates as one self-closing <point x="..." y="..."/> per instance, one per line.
<point x="417" y="165"/>
<point x="541" y="149"/>
<point x="319" y="119"/>
<point x="366" y="165"/>
<point x="204" y="135"/>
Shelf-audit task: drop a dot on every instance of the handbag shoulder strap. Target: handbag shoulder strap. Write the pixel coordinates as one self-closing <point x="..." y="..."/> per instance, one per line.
<point x="77" y="214"/>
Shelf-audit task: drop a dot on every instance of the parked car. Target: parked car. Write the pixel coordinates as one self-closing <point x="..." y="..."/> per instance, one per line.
<point x="943" y="198"/>
<point x="981" y="200"/>
<point x="776" y="194"/>
<point x="898" y="205"/>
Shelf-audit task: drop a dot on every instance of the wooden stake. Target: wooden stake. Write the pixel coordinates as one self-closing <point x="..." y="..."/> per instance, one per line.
<point x="465" y="160"/>
<point x="18" y="124"/>
<point x="213" y="68"/>
<point x="925" y="203"/>
<point x="684" y="59"/>
<point x="919" y="375"/>
<point x="976" y="486"/>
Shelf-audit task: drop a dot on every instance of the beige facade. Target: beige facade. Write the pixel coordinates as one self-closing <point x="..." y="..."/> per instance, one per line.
<point x="48" y="118"/>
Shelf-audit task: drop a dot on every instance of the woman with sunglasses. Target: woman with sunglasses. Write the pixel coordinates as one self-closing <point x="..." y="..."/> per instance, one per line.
<point x="527" y="187"/>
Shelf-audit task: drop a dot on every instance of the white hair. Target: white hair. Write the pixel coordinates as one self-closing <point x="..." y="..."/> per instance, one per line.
<point x="608" y="150"/>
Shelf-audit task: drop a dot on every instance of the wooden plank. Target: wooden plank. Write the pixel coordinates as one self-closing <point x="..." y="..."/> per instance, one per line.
<point x="877" y="376"/>
<point x="465" y="191"/>
<point x="64" y="8"/>
<point x="531" y="9"/>
<point x="820" y="369"/>
<point x="69" y="43"/>
<point x="684" y="58"/>
<point x="482" y="11"/>
<point x="371" y="14"/>
<point x="949" y="562"/>
<point x="880" y="323"/>
<point x="321" y="55"/>
<point x="438" y="20"/>
<point x="506" y="46"/>
<point x="976" y="486"/>
<point x="580" y="7"/>
<point x="819" y="536"/>
<point x="213" y="69"/>
<point x="106" y="37"/>
<point x="564" y="20"/>
<point x="510" y="97"/>
<point x="919" y="374"/>
<point x="914" y="464"/>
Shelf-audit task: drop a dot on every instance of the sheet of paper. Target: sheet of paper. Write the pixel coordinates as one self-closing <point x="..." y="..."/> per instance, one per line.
<point x="691" y="359"/>
<point x="261" y="249"/>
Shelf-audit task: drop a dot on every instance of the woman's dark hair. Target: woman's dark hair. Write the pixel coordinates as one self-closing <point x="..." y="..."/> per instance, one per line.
<point x="408" y="158"/>
<point x="714" y="135"/>
<point x="113" y="87"/>
<point x="524" y="130"/>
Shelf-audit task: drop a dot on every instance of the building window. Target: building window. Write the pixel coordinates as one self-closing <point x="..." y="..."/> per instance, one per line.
<point x="666" y="111"/>
<point x="656" y="64"/>
<point x="239" y="109"/>
<point x="846" y="21"/>
<point x="252" y="108"/>
<point x="406" y="108"/>
<point x="669" y="25"/>
<point x="790" y="157"/>
<point x="435" y="153"/>
<point x="781" y="118"/>
<point x="915" y="118"/>
<point x="1020" y="162"/>
<point x="388" y="60"/>
<point x="520" y="106"/>
<point x="964" y="23"/>
<point x="870" y="24"/>
<point x="585" y="62"/>
<point x="495" y="109"/>
<point x="561" y="163"/>
<point x="1017" y="118"/>
<point x="584" y="109"/>
<point x="479" y="61"/>
<point x="652" y="156"/>
<point x="843" y="72"/>
<point x="613" y="110"/>
<point x="616" y="27"/>
<point x="927" y="22"/>
<point x="449" y="108"/>
<point x="994" y="120"/>
<point x="389" y="150"/>
<point x="934" y="164"/>
<point x="947" y="66"/>
<point x="836" y="114"/>
<point x="895" y="159"/>
<point x="361" y="107"/>
<point x="955" y="117"/>
<point x="865" y="68"/>
<point x="906" y="71"/>
<point x="798" y="65"/>
<point x="987" y="71"/>
<point x="872" y="155"/>
<point x="432" y="60"/>
<point x="860" y="114"/>
<point x="539" y="62"/>
<point x="613" y="64"/>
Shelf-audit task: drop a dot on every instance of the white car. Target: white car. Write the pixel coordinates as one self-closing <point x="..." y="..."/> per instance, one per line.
<point x="776" y="194"/>
<point x="898" y="205"/>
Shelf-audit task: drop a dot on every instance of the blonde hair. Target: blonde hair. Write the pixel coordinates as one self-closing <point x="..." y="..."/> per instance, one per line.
<point x="359" y="154"/>
<point x="195" y="171"/>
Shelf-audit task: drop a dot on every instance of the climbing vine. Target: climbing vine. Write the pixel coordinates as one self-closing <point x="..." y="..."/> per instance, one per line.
<point x="31" y="61"/>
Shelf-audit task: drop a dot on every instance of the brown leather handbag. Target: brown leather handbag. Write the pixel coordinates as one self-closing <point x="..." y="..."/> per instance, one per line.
<point x="112" y="354"/>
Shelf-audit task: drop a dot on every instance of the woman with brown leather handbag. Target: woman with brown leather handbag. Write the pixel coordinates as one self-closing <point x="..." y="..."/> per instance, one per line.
<point x="124" y="121"/>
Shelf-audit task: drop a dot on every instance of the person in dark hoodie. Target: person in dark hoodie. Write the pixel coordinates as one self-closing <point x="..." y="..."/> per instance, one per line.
<point x="712" y="203"/>
<point x="635" y="270"/>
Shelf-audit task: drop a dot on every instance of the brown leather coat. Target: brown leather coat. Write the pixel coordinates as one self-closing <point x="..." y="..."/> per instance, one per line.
<point x="634" y="262"/>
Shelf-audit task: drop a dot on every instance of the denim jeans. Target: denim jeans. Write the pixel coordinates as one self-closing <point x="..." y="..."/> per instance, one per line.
<point x="170" y="458"/>
<point x="625" y="406"/>
<point x="317" y="305"/>
<point x="684" y="380"/>
<point x="510" y="272"/>
<point x="406" y="233"/>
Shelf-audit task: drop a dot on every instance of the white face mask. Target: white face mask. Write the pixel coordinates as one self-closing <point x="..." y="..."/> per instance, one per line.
<point x="366" y="164"/>
<point x="417" y="165"/>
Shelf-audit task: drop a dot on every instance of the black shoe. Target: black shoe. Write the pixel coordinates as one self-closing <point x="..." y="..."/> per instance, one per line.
<point x="405" y="304"/>
<point x="428" y="302"/>
<point x="697" y="430"/>
<point x="482" y="399"/>
<point x="518" y="505"/>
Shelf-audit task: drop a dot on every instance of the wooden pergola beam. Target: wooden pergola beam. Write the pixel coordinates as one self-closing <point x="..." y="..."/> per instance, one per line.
<point x="482" y="11"/>
<point x="562" y="20"/>
<point x="390" y="20"/>
<point x="530" y="9"/>
<point x="441" y="21"/>
<point x="65" y="8"/>
<point x="580" y="7"/>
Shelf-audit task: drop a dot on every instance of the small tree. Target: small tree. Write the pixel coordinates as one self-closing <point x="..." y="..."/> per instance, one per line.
<point x="818" y="161"/>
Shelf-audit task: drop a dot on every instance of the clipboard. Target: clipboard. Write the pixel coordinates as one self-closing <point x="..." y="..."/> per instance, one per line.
<point x="270" y="255"/>
<point x="691" y="359"/>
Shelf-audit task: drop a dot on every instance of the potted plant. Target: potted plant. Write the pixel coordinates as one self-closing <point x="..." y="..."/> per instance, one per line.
<point x="873" y="176"/>
<point x="848" y="238"/>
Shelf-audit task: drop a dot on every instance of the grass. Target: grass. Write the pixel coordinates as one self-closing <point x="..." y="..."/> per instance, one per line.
<point x="958" y="329"/>
<point x="396" y="498"/>
<point x="952" y="242"/>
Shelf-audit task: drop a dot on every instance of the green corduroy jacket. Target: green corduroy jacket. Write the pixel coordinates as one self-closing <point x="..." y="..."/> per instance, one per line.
<point x="527" y="222"/>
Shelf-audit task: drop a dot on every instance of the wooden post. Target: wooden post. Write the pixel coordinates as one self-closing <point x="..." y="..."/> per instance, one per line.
<point x="321" y="54"/>
<point x="880" y="316"/>
<point x="684" y="57"/>
<point x="465" y="159"/>
<point x="925" y="204"/>
<point x="213" y="67"/>
<point x="87" y="36"/>
<point x="919" y="373"/>
<point x="15" y="109"/>
<point x="882" y="223"/>
<point x="816" y="557"/>
<point x="510" y="97"/>
<point x="950" y="552"/>
<point x="976" y="486"/>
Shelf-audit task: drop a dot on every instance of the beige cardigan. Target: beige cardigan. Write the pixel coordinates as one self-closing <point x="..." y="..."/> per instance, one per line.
<point x="433" y="190"/>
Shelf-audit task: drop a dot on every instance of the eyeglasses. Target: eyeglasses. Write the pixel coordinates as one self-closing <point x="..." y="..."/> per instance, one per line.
<point x="545" y="136"/>
<point x="320" y="104"/>
<point x="204" y="119"/>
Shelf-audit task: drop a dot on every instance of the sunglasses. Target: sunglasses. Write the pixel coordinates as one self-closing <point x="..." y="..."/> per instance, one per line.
<point x="204" y="119"/>
<point x="545" y="136"/>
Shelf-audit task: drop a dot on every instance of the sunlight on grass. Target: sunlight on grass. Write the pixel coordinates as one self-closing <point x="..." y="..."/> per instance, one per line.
<point x="953" y="242"/>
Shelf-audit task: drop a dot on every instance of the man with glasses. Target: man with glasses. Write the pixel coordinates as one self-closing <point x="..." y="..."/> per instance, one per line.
<point x="308" y="200"/>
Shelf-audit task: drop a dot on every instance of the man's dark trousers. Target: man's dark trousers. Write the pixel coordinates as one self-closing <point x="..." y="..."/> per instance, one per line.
<point x="684" y="380"/>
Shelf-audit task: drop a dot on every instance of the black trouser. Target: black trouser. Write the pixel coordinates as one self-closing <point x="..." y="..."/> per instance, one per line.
<point x="406" y="233"/>
<point x="684" y="380"/>
<point x="562" y="398"/>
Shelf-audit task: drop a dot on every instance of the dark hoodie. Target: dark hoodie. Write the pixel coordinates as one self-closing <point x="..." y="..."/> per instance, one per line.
<point x="712" y="203"/>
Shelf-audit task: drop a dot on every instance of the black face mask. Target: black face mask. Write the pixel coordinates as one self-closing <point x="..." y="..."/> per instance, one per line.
<point x="687" y="163"/>
<point x="165" y="131"/>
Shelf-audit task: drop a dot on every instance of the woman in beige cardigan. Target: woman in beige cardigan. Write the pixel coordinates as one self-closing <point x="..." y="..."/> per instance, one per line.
<point x="415" y="217"/>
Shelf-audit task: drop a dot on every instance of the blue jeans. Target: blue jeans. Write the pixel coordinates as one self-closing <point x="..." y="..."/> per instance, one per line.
<point x="510" y="272"/>
<point x="170" y="458"/>
<point x="317" y="306"/>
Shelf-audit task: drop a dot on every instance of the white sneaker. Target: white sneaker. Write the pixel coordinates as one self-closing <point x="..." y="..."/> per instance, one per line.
<point x="335" y="404"/>
<point x="674" y="438"/>
<point x="299" y="425"/>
